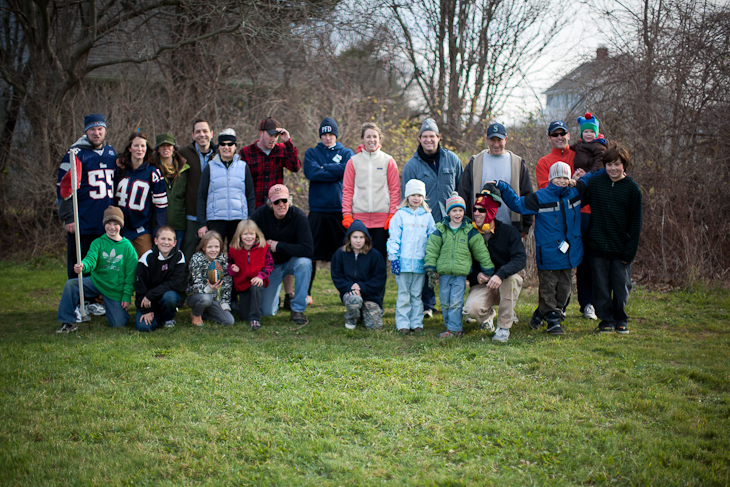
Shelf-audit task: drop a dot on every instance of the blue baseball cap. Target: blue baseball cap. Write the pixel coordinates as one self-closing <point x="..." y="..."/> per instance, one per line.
<point x="557" y="124"/>
<point x="496" y="130"/>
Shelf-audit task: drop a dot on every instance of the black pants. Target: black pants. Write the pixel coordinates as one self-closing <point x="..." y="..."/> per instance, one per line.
<point x="611" y="289"/>
<point x="225" y="227"/>
<point x="249" y="303"/>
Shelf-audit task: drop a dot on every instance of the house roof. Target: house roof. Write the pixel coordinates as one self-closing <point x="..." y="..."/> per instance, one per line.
<point x="586" y="75"/>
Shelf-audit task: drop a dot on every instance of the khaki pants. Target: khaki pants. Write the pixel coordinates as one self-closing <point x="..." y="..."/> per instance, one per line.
<point x="481" y="299"/>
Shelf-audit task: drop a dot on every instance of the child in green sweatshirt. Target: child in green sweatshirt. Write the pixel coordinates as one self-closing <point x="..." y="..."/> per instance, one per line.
<point x="113" y="264"/>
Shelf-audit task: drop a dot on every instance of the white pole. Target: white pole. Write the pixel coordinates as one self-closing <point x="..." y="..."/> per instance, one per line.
<point x="74" y="185"/>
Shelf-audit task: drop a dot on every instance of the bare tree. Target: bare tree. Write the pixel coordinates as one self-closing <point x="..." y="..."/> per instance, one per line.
<point x="668" y="97"/>
<point x="466" y="56"/>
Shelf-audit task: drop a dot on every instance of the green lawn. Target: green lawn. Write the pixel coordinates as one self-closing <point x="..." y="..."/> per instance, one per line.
<point x="326" y="406"/>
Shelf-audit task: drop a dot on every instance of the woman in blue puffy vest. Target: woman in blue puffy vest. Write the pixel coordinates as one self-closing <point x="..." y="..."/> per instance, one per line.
<point x="226" y="193"/>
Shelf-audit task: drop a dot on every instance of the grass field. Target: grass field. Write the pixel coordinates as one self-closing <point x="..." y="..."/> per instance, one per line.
<point x="324" y="406"/>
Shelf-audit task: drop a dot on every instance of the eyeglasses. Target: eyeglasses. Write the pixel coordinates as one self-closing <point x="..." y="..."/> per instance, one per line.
<point x="558" y="134"/>
<point x="479" y="210"/>
<point x="278" y="202"/>
<point x="227" y="144"/>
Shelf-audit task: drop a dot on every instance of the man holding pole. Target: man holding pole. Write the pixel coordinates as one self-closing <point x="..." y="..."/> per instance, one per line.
<point x="95" y="188"/>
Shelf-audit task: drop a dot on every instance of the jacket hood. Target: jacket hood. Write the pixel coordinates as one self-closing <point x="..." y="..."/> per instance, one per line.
<point x="358" y="226"/>
<point x="83" y="143"/>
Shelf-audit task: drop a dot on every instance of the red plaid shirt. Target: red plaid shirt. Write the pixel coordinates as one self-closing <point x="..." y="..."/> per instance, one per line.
<point x="269" y="170"/>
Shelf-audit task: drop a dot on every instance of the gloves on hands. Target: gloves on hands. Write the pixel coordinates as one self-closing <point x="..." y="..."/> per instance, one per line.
<point x="395" y="267"/>
<point x="433" y="279"/>
<point x="387" y="222"/>
<point x="347" y="221"/>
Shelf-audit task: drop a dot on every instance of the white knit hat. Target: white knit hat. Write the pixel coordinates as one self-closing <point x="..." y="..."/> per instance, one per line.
<point x="415" y="186"/>
<point x="559" y="170"/>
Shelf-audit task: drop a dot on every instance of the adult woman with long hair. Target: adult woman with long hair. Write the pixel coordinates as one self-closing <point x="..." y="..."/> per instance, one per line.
<point x="174" y="169"/>
<point x="371" y="188"/>
<point x="140" y="192"/>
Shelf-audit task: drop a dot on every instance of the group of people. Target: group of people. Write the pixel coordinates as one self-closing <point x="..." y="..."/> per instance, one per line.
<point x="217" y="227"/>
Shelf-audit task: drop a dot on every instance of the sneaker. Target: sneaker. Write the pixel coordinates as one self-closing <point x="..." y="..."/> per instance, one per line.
<point x="536" y="320"/>
<point x="287" y="301"/>
<point x="170" y="324"/>
<point x="622" y="329"/>
<point x="605" y="327"/>
<point x="96" y="309"/>
<point x="197" y="320"/>
<point x="77" y="312"/>
<point x="418" y="329"/>
<point x="309" y="300"/>
<point x="589" y="312"/>
<point x="469" y="319"/>
<point x="554" y="328"/>
<point x="299" y="318"/>
<point x="350" y="324"/>
<point x="63" y="328"/>
<point x="255" y="325"/>
<point x="428" y="313"/>
<point x="450" y="334"/>
<point x="502" y="335"/>
<point x="405" y="331"/>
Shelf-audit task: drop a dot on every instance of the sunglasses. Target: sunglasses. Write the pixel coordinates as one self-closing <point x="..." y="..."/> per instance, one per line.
<point x="227" y="144"/>
<point x="558" y="134"/>
<point x="479" y="210"/>
<point x="278" y="202"/>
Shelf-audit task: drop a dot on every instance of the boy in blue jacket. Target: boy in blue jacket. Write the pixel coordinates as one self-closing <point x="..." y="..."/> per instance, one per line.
<point x="559" y="246"/>
<point x="359" y="275"/>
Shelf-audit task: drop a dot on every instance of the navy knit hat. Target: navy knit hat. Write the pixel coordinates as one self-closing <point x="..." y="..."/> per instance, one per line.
<point x="94" y="120"/>
<point x="328" y="126"/>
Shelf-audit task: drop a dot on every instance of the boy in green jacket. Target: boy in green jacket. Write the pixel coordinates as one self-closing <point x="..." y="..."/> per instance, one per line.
<point x="448" y="259"/>
<point x="112" y="261"/>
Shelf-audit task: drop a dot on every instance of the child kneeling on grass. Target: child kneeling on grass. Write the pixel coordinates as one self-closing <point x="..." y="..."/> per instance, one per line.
<point x="250" y="263"/>
<point x="202" y="295"/>
<point x="449" y="254"/>
<point x="558" y="242"/>
<point x="613" y="238"/>
<point x="359" y="274"/>
<point x="112" y="261"/>
<point x="160" y="282"/>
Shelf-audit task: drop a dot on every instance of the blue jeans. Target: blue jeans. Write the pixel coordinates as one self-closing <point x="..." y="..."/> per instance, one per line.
<point x="408" y="307"/>
<point x="451" y="292"/>
<point x="164" y="310"/>
<point x="116" y="315"/>
<point x="301" y="269"/>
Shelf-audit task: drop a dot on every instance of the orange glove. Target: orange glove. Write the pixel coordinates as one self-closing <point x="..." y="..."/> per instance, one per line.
<point x="347" y="221"/>
<point x="387" y="222"/>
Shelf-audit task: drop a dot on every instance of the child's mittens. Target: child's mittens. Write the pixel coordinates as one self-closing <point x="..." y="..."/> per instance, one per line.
<point x="433" y="278"/>
<point x="387" y="222"/>
<point x="395" y="267"/>
<point x="347" y="221"/>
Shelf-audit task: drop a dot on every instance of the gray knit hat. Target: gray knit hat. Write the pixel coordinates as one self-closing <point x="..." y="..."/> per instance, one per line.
<point x="428" y="124"/>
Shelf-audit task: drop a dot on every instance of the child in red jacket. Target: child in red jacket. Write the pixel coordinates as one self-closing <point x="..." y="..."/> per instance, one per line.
<point x="250" y="263"/>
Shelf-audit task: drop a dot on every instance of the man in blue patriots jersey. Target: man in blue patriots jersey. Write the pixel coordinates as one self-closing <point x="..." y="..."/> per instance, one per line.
<point x="141" y="193"/>
<point x="96" y="190"/>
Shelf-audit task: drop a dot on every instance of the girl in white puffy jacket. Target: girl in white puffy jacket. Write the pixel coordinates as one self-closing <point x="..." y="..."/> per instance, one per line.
<point x="409" y="230"/>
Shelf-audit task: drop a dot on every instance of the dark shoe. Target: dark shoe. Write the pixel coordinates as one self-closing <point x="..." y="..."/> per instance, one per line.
<point x="554" y="328"/>
<point x="622" y="329"/>
<point x="67" y="327"/>
<point x="287" y="301"/>
<point x="299" y="318"/>
<point x="536" y="320"/>
<point x="417" y="330"/>
<point x="404" y="331"/>
<point x="450" y="334"/>
<point x="255" y="325"/>
<point x="605" y="327"/>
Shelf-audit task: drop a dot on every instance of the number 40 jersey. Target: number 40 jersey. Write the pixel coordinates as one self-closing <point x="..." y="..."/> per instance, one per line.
<point x="141" y="194"/>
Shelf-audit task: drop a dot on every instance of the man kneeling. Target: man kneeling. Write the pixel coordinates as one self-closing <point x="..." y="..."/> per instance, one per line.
<point x="508" y="256"/>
